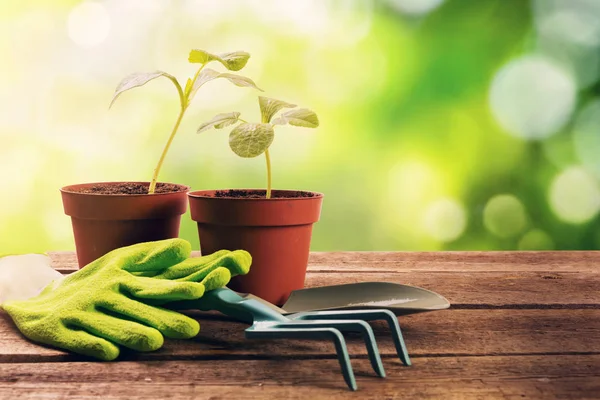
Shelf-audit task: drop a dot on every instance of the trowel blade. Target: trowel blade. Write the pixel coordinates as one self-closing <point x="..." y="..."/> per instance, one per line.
<point x="400" y="299"/>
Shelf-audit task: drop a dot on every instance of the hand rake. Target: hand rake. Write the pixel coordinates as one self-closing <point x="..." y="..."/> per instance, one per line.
<point x="269" y="323"/>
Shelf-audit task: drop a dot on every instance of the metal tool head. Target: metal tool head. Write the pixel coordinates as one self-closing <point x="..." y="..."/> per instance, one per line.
<point x="268" y="323"/>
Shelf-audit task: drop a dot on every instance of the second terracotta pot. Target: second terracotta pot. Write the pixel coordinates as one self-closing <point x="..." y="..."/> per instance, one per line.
<point x="276" y="232"/>
<point x="104" y="222"/>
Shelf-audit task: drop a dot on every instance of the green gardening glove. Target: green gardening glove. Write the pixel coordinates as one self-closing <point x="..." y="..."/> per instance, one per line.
<point x="115" y="299"/>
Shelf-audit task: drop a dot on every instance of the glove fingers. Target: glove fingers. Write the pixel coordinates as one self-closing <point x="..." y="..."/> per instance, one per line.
<point x="196" y="270"/>
<point x="82" y="342"/>
<point x="161" y="289"/>
<point x="152" y="256"/>
<point x="126" y="333"/>
<point x="170" y="323"/>
<point x="217" y="278"/>
<point x="190" y="266"/>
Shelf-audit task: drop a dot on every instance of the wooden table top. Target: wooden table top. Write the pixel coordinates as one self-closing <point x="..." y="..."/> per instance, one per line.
<point x="522" y="325"/>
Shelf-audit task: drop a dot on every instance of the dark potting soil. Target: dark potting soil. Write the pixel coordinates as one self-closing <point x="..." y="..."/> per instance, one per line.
<point x="128" y="188"/>
<point x="260" y="194"/>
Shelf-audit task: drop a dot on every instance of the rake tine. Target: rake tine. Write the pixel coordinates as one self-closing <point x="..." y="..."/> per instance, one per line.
<point x="341" y="350"/>
<point x="365" y="315"/>
<point x="347" y="325"/>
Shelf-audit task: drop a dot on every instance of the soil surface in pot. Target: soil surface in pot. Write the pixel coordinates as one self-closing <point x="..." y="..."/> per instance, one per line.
<point x="128" y="188"/>
<point x="260" y="194"/>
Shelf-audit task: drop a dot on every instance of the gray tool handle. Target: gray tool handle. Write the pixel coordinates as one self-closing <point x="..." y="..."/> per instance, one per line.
<point x="245" y="309"/>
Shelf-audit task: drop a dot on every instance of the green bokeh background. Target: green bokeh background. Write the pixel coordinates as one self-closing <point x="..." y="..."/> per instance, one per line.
<point x="409" y="154"/>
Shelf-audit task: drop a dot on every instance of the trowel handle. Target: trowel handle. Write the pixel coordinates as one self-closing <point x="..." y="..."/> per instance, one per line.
<point x="232" y="304"/>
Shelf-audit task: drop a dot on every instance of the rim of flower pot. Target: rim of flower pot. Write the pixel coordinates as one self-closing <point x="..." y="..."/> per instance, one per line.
<point x="69" y="189"/>
<point x="209" y="194"/>
<point x="105" y="206"/>
<point x="244" y="211"/>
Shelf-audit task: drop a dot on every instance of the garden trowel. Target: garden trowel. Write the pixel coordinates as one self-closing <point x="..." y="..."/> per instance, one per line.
<point x="399" y="299"/>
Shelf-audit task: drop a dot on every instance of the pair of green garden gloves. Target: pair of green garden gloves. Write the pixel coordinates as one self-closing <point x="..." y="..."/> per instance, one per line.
<point x="115" y="300"/>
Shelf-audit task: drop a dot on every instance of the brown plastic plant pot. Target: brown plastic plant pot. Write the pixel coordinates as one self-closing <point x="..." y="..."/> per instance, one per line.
<point x="104" y="222"/>
<point x="275" y="231"/>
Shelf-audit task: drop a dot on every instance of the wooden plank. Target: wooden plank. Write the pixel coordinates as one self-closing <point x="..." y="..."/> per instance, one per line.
<point x="441" y="333"/>
<point x="457" y="261"/>
<point x="476" y="261"/>
<point x="538" y="377"/>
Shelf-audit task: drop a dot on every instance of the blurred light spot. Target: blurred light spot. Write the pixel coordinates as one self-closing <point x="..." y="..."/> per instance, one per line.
<point x="330" y="23"/>
<point x="531" y="97"/>
<point x="575" y="195"/>
<point x="349" y="22"/>
<point x="307" y="16"/>
<point x="582" y="62"/>
<point x="573" y="26"/>
<point x="88" y="24"/>
<point x="415" y="7"/>
<point x="445" y="220"/>
<point x="576" y="21"/>
<point x="586" y="136"/>
<point x="411" y="183"/>
<point x="504" y="216"/>
<point x="536" y="239"/>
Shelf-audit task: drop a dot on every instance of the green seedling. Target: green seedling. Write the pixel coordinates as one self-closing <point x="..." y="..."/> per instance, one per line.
<point x="250" y="140"/>
<point x="234" y="61"/>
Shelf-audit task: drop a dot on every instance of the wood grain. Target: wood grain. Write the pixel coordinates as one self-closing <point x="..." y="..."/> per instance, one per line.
<point x="442" y="333"/>
<point x="567" y="377"/>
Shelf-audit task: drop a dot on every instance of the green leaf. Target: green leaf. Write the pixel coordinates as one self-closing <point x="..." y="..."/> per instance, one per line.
<point x="239" y="80"/>
<point x="141" y="78"/>
<point x="268" y="107"/>
<point x="299" y="117"/>
<point x="188" y="86"/>
<point x="220" y="121"/>
<point x="233" y="61"/>
<point x="208" y="75"/>
<point x="250" y="140"/>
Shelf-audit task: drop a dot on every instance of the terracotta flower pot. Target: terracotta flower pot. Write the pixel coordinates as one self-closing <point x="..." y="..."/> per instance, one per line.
<point x="104" y="222"/>
<point x="276" y="232"/>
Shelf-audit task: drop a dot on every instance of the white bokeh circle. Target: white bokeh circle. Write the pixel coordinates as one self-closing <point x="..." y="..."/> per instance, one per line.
<point x="504" y="215"/>
<point x="415" y="7"/>
<point x="445" y="220"/>
<point x="532" y="98"/>
<point x="536" y="239"/>
<point x="575" y="195"/>
<point x="574" y="21"/>
<point x="88" y="24"/>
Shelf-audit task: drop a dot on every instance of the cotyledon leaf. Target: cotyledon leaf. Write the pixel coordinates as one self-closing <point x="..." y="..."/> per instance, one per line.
<point x="208" y="75"/>
<point x="250" y="140"/>
<point x="220" y="121"/>
<point x="233" y="61"/>
<point x="141" y="78"/>
<point x="268" y="107"/>
<point x="239" y="80"/>
<point x="298" y="117"/>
